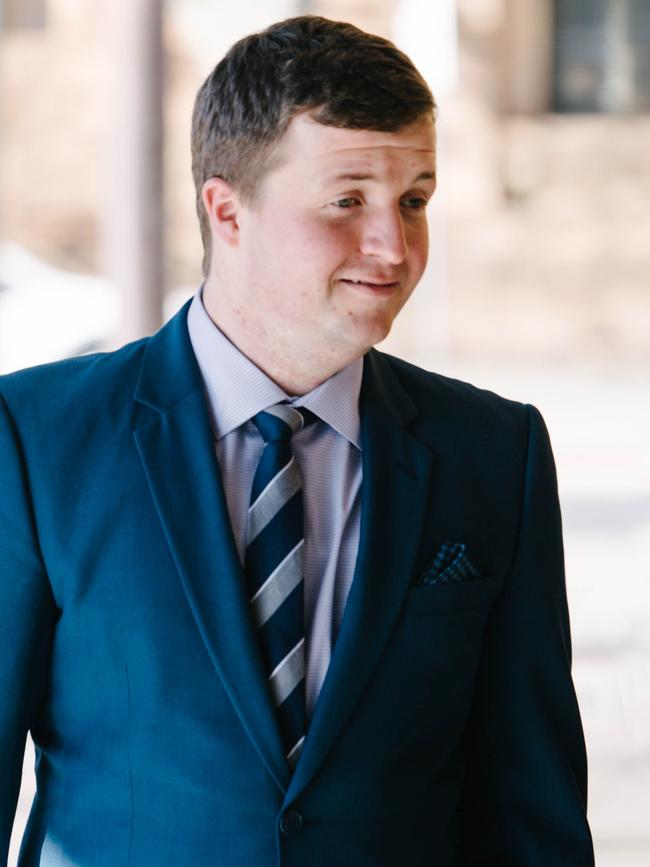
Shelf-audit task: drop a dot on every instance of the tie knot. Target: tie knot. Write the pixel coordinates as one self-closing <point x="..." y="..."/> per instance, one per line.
<point x="278" y="423"/>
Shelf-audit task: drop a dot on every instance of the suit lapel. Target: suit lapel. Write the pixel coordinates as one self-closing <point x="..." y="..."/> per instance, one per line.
<point x="395" y="489"/>
<point x="174" y="439"/>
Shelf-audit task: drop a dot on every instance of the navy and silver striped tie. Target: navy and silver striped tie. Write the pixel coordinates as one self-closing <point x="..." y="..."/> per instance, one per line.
<point x="274" y="569"/>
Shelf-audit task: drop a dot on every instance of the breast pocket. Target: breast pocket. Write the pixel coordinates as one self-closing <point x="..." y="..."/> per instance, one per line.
<point x="426" y="600"/>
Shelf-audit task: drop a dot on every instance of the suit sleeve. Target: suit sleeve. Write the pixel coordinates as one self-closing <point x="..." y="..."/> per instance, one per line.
<point x="525" y="794"/>
<point x="27" y="616"/>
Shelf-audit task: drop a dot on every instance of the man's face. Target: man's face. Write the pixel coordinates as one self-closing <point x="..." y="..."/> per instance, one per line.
<point x="337" y="238"/>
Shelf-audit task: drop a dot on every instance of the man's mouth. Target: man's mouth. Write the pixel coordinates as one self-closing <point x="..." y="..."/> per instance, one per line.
<point x="377" y="285"/>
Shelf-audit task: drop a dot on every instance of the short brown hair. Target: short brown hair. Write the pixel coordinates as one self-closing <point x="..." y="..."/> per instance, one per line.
<point x="346" y="77"/>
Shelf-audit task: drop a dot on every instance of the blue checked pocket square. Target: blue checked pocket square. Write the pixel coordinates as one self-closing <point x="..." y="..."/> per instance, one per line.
<point x="451" y="565"/>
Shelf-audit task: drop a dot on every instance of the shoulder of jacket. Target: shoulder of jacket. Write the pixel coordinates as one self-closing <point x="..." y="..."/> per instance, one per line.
<point x="436" y="393"/>
<point x="82" y="381"/>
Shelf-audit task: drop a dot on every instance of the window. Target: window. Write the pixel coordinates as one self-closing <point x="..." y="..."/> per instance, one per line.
<point x="602" y="56"/>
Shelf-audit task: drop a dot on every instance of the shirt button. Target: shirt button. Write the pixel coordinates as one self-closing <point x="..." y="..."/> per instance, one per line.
<point x="291" y="822"/>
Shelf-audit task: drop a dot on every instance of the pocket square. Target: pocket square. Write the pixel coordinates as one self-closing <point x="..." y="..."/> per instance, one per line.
<point x="450" y="565"/>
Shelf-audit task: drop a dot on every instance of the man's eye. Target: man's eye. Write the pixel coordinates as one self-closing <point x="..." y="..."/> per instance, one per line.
<point x="415" y="203"/>
<point x="347" y="202"/>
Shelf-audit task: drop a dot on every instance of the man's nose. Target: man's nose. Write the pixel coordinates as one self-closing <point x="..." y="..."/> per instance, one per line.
<point x="383" y="236"/>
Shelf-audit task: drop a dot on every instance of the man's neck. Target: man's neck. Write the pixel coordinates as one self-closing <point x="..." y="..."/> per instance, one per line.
<point x="296" y="369"/>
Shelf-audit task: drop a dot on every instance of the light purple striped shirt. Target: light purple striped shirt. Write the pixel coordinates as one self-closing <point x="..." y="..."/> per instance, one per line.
<point x="328" y="454"/>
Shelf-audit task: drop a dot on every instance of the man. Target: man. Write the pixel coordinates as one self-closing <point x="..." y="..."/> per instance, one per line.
<point x="269" y="596"/>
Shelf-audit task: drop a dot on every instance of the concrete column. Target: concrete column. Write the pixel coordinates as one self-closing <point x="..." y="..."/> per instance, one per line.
<point x="528" y="56"/>
<point x="375" y="16"/>
<point x="134" y="198"/>
<point x="22" y="14"/>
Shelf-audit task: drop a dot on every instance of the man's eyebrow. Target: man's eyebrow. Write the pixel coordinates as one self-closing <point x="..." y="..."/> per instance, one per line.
<point x="425" y="176"/>
<point x="361" y="176"/>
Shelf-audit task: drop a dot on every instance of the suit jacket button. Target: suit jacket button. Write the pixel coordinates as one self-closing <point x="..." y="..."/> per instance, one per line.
<point x="291" y="822"/>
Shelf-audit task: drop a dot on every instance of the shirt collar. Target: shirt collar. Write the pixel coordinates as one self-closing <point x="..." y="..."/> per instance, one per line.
<point x="237" y="389"/>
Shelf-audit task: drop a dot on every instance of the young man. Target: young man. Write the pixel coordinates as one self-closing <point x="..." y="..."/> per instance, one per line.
<point x="269" y="596"/>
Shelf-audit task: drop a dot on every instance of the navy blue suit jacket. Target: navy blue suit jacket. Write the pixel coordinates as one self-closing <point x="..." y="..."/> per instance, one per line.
<point x="447" y="732"/>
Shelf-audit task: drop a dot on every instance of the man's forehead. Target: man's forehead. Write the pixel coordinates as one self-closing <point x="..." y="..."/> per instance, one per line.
<point x="333" y="144"/>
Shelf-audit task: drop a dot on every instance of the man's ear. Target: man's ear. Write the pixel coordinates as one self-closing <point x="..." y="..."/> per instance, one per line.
<point x="221" y="203"/>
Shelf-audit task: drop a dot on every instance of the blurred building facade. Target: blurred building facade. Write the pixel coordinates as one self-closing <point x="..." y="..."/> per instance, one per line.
<point x="544" y="174"/>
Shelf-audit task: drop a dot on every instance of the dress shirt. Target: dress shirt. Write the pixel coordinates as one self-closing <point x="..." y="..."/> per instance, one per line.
<point x="328" y="454"/>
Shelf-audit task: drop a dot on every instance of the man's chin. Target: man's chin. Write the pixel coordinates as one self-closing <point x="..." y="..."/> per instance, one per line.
<point x="366" y="331"/>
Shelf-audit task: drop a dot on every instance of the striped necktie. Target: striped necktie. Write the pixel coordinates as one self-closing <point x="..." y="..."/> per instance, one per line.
<point x="274" y="569"/>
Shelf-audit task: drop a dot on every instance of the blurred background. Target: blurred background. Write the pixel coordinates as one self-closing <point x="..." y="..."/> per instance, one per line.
<point x="537" y="288"/>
